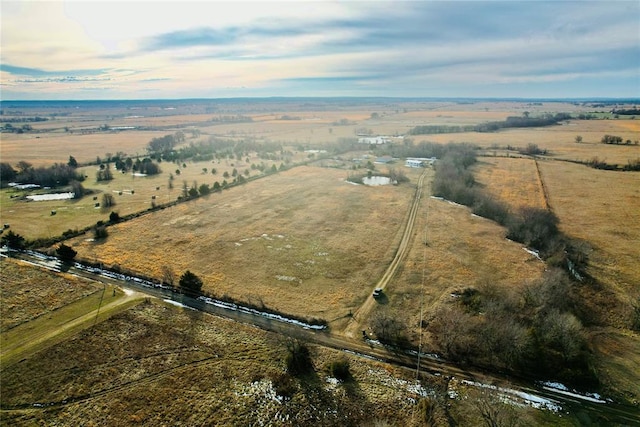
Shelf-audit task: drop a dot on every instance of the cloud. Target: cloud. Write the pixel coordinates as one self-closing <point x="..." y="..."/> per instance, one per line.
<point x="38" y="73"/>
<point x="303" y="48"/>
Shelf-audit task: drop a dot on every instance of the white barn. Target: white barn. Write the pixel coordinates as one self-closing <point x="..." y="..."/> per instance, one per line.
<point x="374" y="140"/>
<point x="419" y="162"/>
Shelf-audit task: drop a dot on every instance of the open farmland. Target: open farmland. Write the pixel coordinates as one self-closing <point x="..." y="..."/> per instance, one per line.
<point x="476" y="255"/>
<point x="306" y="242"/>
<point x="156" y="363"/>
<point x="47" y="148"/>
<point x="599" y="208"/>
<point x="131" y="193"/>
<point x="303" y="241"/>
<point x="559" y="140"/>
<point x="514" y="181"/>
<point x="603" y="209"/>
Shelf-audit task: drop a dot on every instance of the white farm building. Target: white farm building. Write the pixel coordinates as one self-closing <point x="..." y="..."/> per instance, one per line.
<point x="419" y="162"/>
<point x="374" y="140"/>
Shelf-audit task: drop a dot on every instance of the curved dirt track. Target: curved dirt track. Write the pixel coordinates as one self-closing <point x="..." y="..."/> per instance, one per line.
<point x="355" y="325"/>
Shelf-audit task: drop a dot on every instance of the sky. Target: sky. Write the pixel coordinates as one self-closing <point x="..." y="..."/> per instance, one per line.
<point x="215" y="49"/>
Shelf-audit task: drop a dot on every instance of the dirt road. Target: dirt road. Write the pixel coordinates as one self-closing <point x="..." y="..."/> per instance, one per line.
<point x="357" y="323"/>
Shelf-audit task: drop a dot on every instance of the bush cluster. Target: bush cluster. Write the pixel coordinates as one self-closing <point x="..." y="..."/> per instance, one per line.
<point x="532" y="331"/>
<point x="536" y="331"/>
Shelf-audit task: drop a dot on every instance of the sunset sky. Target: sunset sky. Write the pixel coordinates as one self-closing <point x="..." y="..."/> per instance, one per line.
<point x="213" y="49"/>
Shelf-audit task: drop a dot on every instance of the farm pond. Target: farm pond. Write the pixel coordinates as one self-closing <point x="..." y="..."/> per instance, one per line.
<point x="376" y="180"/>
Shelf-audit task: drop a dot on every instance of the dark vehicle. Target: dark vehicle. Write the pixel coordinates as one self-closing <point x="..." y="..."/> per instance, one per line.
<point x="377" y="292"/>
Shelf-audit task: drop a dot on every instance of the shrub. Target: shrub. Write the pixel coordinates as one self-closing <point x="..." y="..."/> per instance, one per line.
<point x="532" y="150"/>
<point x="114" y="217"/>
<point x="77" y="189"/>
<point x="66" y="253"/>
<point x="388" y="329"/>
<point x="190" y="284"/>
<point x="100" y="232"/>
<point x="339" y="369"/>
<point x="108" y="201"/>
<point x="283" y="384"/>
<point x="490" y="208"/>
<point x="298" y="358"/>
<point x="13" y="240"/>
<point x="535" y="227"/>
<point x="611" y="139"/>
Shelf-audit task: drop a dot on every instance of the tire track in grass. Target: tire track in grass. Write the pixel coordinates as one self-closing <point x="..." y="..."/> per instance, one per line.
<point x="48" y="336"/>
<point x="362" y="313"/>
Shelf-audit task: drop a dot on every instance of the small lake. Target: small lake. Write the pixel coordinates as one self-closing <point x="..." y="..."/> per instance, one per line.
<point x="376" y="180"/>
<point x="52" y="196"/>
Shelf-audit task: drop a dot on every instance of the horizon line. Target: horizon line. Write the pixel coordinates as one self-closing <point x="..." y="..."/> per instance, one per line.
<point x="415" y="98"/>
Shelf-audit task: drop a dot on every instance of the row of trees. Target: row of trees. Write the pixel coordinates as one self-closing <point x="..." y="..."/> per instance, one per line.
<point x="545" y="334"/>
<point x="165" y="144"/>
<point x="523" y="121"/>
<point x="614" y="139"/>
<point x="511" y="122"/>
<point x="46" y="176"/>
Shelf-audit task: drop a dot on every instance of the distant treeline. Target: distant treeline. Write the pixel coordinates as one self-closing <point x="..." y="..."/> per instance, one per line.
<point x="437" y="129"/>
<point x="23" y="119"/>
<point x="627" y="112"/>
<point x="510" y="122"/>
<point x="44" y="176"/>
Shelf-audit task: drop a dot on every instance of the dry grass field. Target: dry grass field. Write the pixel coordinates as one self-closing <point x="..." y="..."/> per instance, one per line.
<point x="603" y="209"/>
<point x="55" y="147"/>
<point x="560" y="140"/>
<point x="303" y="241"/>
<point x="28" y="292"/>
<point x="132" y="194"/>
<point x="462" y="251"/>
<point x="513" y="181"/>
<point x="156" y="364"/>
<point x="286" y="122"/>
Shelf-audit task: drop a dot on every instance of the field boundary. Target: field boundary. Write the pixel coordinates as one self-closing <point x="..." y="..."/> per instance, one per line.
<point x="545" y="193"/>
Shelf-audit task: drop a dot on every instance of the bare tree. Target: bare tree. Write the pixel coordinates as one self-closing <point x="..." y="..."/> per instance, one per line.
<point x="491" y="407"/>
<point x="168" y="275"/>
<point x="388" y="328"/>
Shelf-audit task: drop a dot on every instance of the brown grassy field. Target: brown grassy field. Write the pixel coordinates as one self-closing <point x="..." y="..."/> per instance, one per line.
<point x="307" y="243"/>
<point x="560" y="140"/>
<point x="512" y="180"/>
<point x="33" y="219"/>
<point x="55" y="147"/>
<point x="303" y="241"/>
<point x="462" y="251"/>
<point x="156" y="364"/>
<point x="28" y="292"/>
<point x="313" y="124"/>
<point x="602" y="208"/>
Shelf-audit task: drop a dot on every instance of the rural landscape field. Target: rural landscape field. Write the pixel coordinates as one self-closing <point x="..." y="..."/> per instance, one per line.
<point x="507" y="261"/>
